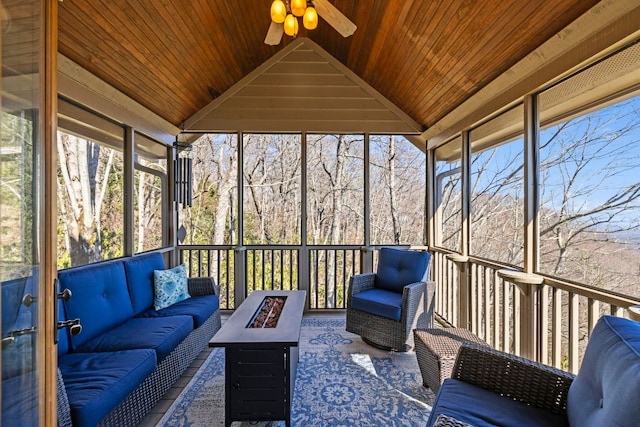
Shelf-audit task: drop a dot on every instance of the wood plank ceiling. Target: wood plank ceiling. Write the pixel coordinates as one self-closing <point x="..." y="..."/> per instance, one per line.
<point x="176" y="56"/>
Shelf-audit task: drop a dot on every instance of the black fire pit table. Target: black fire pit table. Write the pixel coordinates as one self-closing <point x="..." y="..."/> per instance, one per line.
<point x="261" y="356"/>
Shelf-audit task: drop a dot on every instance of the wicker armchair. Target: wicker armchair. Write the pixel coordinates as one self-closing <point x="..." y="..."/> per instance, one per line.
<point x="488" y="387"/>
<point x="536" y="385"/>
<point x="384" y="307"/>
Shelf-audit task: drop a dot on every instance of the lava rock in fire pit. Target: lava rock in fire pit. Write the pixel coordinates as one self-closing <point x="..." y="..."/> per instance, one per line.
<point x="268" y="314"/>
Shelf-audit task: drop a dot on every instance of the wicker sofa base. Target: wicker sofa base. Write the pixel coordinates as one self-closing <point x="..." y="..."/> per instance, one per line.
<point x="131" y="410"/>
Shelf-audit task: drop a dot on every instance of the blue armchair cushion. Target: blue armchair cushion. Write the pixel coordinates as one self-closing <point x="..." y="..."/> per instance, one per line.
<point x="200" y="308"/>
<point x="379" y="302"/>
<point x="160" y="334"/>
<point x="100" y="298"/>
<point x="483" y="408"/>
<point x="398" y="268"/>
<point x="97" y="382"/>
<point x="607" y="388"/>
<point x="139" y="270"/>
<point x="170" y="286"/>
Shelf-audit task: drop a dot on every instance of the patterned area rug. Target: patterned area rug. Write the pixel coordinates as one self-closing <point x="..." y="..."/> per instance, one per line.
<point x="341" y="381"/>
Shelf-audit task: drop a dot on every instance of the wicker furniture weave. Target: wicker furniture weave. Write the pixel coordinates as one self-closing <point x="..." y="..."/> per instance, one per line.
<point x="518" y="378"/>
<point x="436" y="351"/>
<point x="131" y="410"/>
<point x="417" y="310"/>
<point x="445" y="421"/>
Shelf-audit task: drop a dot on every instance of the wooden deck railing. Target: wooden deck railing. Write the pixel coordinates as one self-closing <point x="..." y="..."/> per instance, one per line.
<point x="548" y="322"/>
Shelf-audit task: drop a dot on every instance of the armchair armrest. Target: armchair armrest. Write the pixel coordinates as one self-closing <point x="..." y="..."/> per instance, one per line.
<point x="412" y="300"/>
<point x="521" y="379"/>
<point x="199" y="286"/>
<point x="361" y="282"/>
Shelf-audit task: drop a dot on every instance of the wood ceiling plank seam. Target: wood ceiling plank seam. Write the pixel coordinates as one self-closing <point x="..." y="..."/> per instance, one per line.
<point x="240" y="21"/>
<point x="508" y="53"/>
<point x="162" y="60"/>
<point x="103" y="73"/>
<point x="258" y="22"/>
<point x="236" y="48"/>
<point x="475" y="51"/>
<point x="189" y="55"/>
<point x="402" y="90"/>
<point x="162" y="26"/>
<point x="580" y="41"/>
<point x="438" y="26"/>
<point x="395" y="63"/>
<point x="129" y="72"/>
<point x="543" y="35"/>
<point x="452" y="60"/>
<point x="219" y="46"/>
<point x="367" y="59"/>
<point x="398" y="47"/>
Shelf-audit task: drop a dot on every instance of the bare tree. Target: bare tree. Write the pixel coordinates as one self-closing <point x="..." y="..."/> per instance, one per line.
<point x="85" y="168"/>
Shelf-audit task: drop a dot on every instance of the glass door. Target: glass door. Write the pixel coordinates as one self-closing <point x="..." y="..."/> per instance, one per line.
<point x="20" y="211"/>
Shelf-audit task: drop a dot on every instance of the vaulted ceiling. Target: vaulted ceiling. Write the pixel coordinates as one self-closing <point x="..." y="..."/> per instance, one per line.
<point x="175" y="56"/>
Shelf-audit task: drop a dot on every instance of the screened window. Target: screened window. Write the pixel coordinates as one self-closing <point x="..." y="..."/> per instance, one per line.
<point x="150" y="202"/>
<point x="448" y="194"/>
<point x="590" y="197"/>
<point x="90" y="187"/>
<point x="497" y="188"/>
<point x="335" y="200"/>
<point x="272" y="189"/>
<point x="212" y="217"/>
<point x="397" y="177"/>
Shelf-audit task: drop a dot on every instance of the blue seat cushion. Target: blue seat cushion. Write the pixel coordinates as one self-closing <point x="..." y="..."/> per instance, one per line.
<point x="100" y="298"/>
<point x="97" y="382"/>
<point x="398" y="268"/>
<point x="200" y="308"/>
<point x="139" y="270"/>
<point x="161" y="334"/>
<point x="607" y="388"/>
<point x="483" y="408"/>
<point x="380" y="302"/>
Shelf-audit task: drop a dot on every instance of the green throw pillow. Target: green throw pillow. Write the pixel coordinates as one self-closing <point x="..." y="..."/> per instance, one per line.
<point x="170" y="287"/>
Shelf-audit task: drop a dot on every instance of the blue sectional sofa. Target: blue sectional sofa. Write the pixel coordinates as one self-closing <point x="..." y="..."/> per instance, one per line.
<point x="489" y="388"/>
<point x="128" y="354"/>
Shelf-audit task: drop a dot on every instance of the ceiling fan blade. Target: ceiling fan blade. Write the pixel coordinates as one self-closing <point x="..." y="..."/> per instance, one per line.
<point x="274" y="35"/>
<point x="335" y="18"/>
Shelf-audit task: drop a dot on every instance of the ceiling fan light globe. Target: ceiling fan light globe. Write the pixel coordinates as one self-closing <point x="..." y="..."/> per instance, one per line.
<point x="291" y="25"/>
<point x="298" y="7"/>
<point x="310" y="19"/>
<point x="278" y="11"/>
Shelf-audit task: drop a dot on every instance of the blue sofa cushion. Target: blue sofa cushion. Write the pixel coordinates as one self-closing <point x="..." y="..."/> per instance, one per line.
<point x="483" y="408"/>
<point x="200" y="308"/>
<point x="161" y="334"/>
<point x="139" y="270"/>
<point x="398" y="268"/>
<point x="379" y="302"/>
<point x="97" y="382"/>
<point x="100" y="298"/>
<point x="607" y="388"/>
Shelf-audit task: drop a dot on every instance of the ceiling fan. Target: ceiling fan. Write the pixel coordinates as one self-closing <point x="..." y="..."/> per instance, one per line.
<point x="326" y="10"/>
